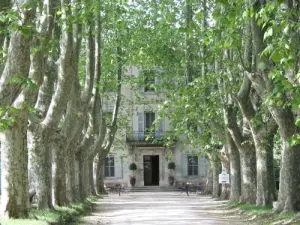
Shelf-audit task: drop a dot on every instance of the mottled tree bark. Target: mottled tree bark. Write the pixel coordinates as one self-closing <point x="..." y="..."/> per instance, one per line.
<point x="14" y="178"/>
<point x="225" y="190"/>
<point x="84" y="179"/>
<point x="265" y="172"/>
<point x="91" y="177"/>
<point x="289" y="187"/>
<point x="100" y="175"/>
<point x="247" y="158"/>
<point x="4" y="6"/>
<point x="41" y="160"/>
<point x="216" y="167"/>
<point x="14" y="154"/>
<point x="209" y="182"/>
<point x="60" y="179"/>
<point x="235" y="169"/>
<point x="72" y="195"/>
<point x="43" y="130"/>
<point x="248" y="168"/>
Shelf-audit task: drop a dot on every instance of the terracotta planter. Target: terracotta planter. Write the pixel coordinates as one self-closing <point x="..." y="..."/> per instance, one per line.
<point x="132" y="181"/>
<point x="171" y="180"/>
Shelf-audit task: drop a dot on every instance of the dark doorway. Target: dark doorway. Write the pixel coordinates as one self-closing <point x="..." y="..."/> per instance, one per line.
<point x="151" y="170"/>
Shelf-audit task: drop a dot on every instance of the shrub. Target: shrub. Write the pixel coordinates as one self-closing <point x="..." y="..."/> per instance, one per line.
<point x="171" y="165"/>
<point x="132" y="166"/>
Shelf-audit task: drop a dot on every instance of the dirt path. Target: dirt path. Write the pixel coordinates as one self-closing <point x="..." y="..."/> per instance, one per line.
<point x="160" y="208"/>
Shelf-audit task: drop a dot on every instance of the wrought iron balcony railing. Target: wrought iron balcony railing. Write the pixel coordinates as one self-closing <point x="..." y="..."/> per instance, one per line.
<point x="146" y="137"/>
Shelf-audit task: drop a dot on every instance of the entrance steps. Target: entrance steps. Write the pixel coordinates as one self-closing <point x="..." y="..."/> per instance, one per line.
<point x="153" y="189"/>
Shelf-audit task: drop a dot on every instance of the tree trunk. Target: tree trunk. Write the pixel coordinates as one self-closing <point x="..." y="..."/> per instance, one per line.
<point x="100" y="176"/>
<point x="265" y="172"/>
<point x="60" y="186"/>
<point x="235" y="169"/>
<point x="289" y="186"/>
<point x="91" y="177"/>
<point x="288" y="196"/>
<point x="41" y="161"/>
<point x="84" y="178"/>
<point x="247" y="156"/>
<point x="225" y="190"/>
<point x="14" y="172"/>
<point x="13" y="140"/>
<point x="248" y="169"/>
<point x="215" y="166"/>
<point x="71" y="177"/>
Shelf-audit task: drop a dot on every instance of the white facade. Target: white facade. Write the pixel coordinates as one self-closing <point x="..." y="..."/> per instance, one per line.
<point x="140" y="104"/>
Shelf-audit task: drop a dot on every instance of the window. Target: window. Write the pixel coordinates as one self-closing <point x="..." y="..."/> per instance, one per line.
<point x="191" y="125"/>
<point x="192" y="165"/>
<point x="149" y="119"/>
<point x="109" y="166"/>
<point x="149" y="80"/>
<point x="108" y="117"/>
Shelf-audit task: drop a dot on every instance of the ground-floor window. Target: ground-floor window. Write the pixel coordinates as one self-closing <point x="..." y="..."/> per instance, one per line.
<point x="109" y="166"/>
<point x="192" y="165"/>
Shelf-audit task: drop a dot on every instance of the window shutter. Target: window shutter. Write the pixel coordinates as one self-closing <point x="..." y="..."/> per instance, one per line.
<point x="202" y="167"/>
<point x="142" y="81"/>
<point x="157" y="78"/>
<point x="118" y="168"/>
<point x="161" y="128"/>
<point x="184" y="165"/>
<point x="141" y="128"/>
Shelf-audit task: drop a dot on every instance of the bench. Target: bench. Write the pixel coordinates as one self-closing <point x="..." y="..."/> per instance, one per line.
<point x="189" y="187"/>
<point x="115" y="187"/>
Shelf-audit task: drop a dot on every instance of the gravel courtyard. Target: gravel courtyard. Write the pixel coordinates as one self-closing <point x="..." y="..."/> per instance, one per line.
<point x="160" y="208"/>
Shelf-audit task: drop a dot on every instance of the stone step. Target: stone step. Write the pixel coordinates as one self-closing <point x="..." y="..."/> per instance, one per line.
<point x="152" y="189"/>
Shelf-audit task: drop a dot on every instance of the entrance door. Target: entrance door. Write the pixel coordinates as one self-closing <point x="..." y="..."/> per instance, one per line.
<point x="151" y="170"/>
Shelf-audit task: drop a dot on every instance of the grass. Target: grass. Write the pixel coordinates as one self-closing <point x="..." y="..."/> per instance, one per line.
<point x="252" y="208"/>
<point x="59" y="215"/>
<point x="265" y="215"/>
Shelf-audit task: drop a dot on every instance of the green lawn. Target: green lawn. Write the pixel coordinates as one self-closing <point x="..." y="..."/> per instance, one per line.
<point x="59" y="215"/>
<point x="266" y="216"/>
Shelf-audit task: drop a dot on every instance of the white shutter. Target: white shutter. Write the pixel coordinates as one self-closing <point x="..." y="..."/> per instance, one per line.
<point x="202" y="167"/>
<point x="141" y="78"/>
<point x="141" y="128"/>
<point x="184" y="165"/>
<point x="118" y="168"/>
<point x="161" y="128"/>
<point x="158" y="80"/>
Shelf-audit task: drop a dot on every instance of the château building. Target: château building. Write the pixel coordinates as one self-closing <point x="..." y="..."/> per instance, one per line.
<point x="145" y="147"/>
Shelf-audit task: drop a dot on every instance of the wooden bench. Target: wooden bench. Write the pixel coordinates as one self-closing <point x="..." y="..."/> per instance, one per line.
<point x="115" y="187"/>
<point x="189" y="187"/>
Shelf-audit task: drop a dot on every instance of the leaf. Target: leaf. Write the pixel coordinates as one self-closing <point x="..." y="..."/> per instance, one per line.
<point x="298" y="122"/>
<point x="268" y="33"/>
<point x="276" y="56"/>
<point x="182" y="29"/>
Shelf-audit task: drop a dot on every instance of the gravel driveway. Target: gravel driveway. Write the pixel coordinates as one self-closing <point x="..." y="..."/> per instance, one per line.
<point x="160" y="208"/>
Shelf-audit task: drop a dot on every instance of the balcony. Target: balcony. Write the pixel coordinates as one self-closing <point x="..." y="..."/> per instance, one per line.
<point x="143" y="138"/>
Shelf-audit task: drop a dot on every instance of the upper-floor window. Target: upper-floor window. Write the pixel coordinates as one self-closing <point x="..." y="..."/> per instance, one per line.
<point x="148" y="80"/>
<point x="149" y="120"/>
<point x="192" y="165"/>
<point x="109" y="166"/>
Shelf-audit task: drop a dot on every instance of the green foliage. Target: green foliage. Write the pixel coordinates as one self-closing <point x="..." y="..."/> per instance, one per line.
<point x="132" y="166"/>
<point x="25" y="81"/>
<point x="171" y="165"/>
<point x="8" y="117"/>
<point x="265" y="214"/>
<point x="251" y="208"/>
<point x="59" y="215"/>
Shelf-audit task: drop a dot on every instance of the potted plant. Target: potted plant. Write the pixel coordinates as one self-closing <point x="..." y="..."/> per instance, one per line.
<point x="133" y="168"/>
<point x="171" y="167"/>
